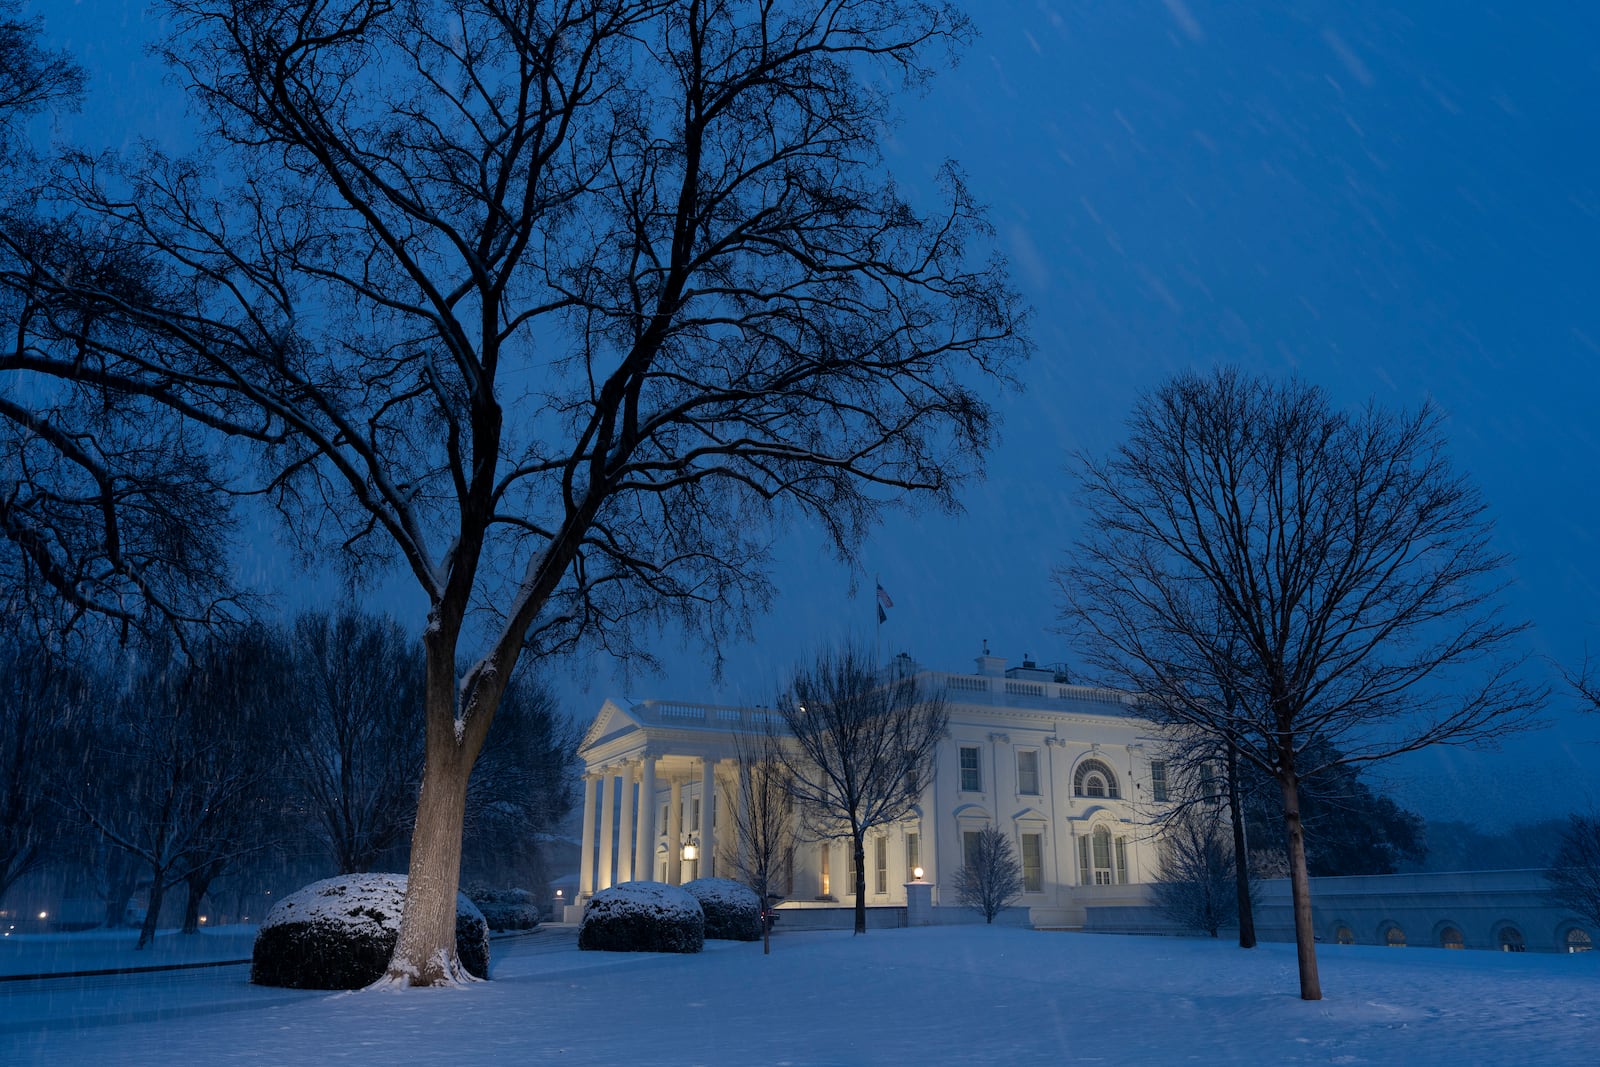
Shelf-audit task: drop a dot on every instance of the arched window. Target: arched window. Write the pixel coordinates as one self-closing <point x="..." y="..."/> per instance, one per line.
<point x="1451" y="937"/>
<point x="1344" y="936"/>
<point x="1095" y="779"/>
<point x="1102" y="858"/>
<point x="1394" y="937"/>
<point x="1579" y="940"/>
<point x="1511" y="940"/>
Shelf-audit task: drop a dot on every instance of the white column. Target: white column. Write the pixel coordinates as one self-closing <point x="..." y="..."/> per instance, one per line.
<point x="586" y="853"/>
<point x="625" y="848"/>
<point x="708" y="807"/>
<point x="742" y="819"/>
<point x="675" y="834"/>
<point x="608" y="829"/>
<point x="644" y="859"/>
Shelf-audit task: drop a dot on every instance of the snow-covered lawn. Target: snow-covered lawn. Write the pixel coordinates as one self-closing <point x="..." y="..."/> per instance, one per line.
<point x="961" y="995"/>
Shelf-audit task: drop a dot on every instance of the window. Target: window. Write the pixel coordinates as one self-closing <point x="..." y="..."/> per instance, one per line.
<point x="1579" y="940"/>
<point x="1095" y="857"/>
<point x="969" y="848"/>
<point x="694" y="820"/>
<point x="971" y="775"/>
<point x="824" y="854"/>
<point x="1158" y="780"/>
<point x="1032" y="863"/>
<point x="1344" y="936"/>
<point x="1094" y="779"/>
<point x="913" y="856"/>
<point x="663" y="823"/>
<point x="1511" y="940"/>
<point x="1394" y="937"/>
<point x="881" y="864"/>
<point x="1451" y="937"/>
<point x="849" y="868"/>
<point x="1028" y="771"/>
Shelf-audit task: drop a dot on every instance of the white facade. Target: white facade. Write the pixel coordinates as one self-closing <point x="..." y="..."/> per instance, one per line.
<point x="1064" y="770"/>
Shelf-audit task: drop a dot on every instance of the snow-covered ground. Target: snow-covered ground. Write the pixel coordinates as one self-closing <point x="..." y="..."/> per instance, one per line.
<point x="954" y="995"/>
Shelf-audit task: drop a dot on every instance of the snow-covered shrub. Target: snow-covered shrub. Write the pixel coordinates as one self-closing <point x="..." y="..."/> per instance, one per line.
<point x="505" y="909"/>
<point x="643" y="917"/>
<point x="339" y="934"/>
<point x="732" y="909"/>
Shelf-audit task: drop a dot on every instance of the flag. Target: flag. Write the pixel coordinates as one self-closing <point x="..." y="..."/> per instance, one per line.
<point x="884" y="601"/>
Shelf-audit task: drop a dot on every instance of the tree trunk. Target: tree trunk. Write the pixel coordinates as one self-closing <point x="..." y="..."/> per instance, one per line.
<point x="1241" y="854"/>
<point x="122" y="876"/>
<point x="198" y="884"/>
<point x="425" y="951"/>
<point x="858" y="842"/>
<point x="158" y="889"/>
<point x="1300" y="885"/>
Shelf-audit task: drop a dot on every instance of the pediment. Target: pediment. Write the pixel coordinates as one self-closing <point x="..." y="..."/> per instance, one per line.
<point x="610" y="720"/>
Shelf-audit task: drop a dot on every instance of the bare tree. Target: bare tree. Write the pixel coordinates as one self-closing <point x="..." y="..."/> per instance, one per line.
<point x="862" y="747"/>
<point x="40" y="688"/>
<point x="560" y="306"/>
<point x="1574" y="874"/>
<point x="990" y="879"/>
<point x="1198" y="886"/>
<point x="354" y="732"/>
<point x="174" y="765"/>
<point x="761" y="800"/>
<point x="1332" y="562"/>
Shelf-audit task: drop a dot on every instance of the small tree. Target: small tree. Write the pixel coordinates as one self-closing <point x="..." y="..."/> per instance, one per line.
<point x="355" y="732"/>
<point x="862" y="749"/>
<point x="1574" y="874"/>
<point x="761" y="800"/>
<point x="1198" y="883"/>
<point x="991" y="877"/>
<point x="1331" y="564"/>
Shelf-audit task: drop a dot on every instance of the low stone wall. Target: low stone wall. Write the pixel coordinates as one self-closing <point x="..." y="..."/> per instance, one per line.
<point x="805" y="915"/>
<point x="1488" y="908"/>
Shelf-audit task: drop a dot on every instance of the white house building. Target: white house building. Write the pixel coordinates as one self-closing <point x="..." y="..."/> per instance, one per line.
<point x="1072" y="774"/>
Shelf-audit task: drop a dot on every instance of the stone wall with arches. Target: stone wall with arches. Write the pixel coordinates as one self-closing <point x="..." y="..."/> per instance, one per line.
<point x="1503" y="911"/>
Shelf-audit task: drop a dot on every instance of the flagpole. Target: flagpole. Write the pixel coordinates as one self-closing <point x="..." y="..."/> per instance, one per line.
<point x="877" y="631"/>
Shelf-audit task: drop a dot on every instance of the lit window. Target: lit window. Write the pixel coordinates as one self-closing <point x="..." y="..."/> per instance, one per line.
<point x="881" y="864"/>
<point x="1451" y="937"/>
<point x="1511" y="940"/>
<point x="1032" y="863"/>
<point x="824" y="854"/>
<point x="1028" y="771"/>
<point x="1158" y="780"/>
<point x="1095" y="779"/>
<point x="1394" y="937"/>
<point x="1579" y="940"/>
<point x="1095" y="856"/>
<point x="971" y="775"/>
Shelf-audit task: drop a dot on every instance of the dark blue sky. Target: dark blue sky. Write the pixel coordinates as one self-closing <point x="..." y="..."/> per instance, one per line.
<point x="1394" y="201"/>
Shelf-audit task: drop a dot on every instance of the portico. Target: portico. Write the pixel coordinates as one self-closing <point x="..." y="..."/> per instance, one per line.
<point x="658" y="779"/>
